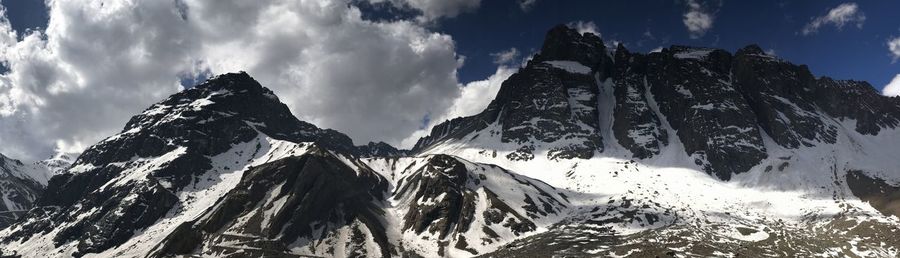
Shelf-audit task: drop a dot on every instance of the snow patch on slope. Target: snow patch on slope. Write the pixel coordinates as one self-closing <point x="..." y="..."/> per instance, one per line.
<point x="570" y="66"/>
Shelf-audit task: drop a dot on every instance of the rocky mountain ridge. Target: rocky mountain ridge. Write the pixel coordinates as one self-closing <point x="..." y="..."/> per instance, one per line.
<point x="585" y="151"/>
<point x="719" y="104"/>
<point x="224" y="169"/>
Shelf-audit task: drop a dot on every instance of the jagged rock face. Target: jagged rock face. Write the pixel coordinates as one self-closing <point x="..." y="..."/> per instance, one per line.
<point x="564" y="43"/>
<point x="636" y="125"/>
<point x="549" y="104"/>
<point x="20" y="185"/>
<point x="379" y="149"/>
<point x="855" y="100"/>
<point x="773" y="90"/>
<point x="693" y="89"/>
<point x="447" y="204"/>
<point x="275" y="204"/>
<point x="536" y="110"/>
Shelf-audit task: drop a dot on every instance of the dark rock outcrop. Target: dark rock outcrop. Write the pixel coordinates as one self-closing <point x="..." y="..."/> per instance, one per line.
<point x="636" y="125"/>
<point x="713" y="121"/>
<point x="380" y="150"/>
<point x="442" y="199"/>
<point x="773" y="89"/>
<point x="543" y="103"/>
<point x="281" y="201"/>
<point x="882" y="196"/>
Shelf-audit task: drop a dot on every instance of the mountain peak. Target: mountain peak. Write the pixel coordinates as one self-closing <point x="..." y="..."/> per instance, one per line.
<point x="752" y="49"/>
<point x="380" y="149"/>
<point x="564" y="43"/>
<point x="239" y="82"/>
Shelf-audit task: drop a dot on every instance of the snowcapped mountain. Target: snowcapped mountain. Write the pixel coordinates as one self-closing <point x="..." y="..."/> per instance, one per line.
<point x="20" y="186"/>
<point x="585" y="151"/>
<point x="58" y="163"/>
<point x="224" y="169"/>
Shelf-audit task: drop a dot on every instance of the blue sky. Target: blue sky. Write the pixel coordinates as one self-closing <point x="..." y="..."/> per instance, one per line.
<point x="847" y="53"/>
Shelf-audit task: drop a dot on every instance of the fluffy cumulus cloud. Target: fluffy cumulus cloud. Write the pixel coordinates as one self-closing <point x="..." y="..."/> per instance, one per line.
<point x="697" y="20"/>
<point x="100" y="62"/>
<point x="846" y="13"/>
<point x="506" y="56"/>
<point x="585" y="27"/>
<point x="474" y="98"/>
<point x="892" y="89"/>
<point x="894" y="47"/>
<point x="526" y="5"/>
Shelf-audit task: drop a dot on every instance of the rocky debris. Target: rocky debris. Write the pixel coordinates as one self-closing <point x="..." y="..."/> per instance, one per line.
<point x="837" y="237"/>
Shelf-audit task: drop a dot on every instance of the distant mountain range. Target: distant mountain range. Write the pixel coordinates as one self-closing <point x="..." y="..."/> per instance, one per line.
<point x="587" y="150"/>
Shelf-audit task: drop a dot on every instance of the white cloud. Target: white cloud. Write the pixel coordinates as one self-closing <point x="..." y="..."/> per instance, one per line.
<point x="838" y="16"/>
<point x="435" y="9"/>
<point x="697" y="20"/>
<point x="771" y="52"/>
<point x="656" y="50"/>
<point x="100" y="62"/>
<point x="894" y="47"/>
<point x="526" y="5"/>
<point x="892" y="89"/>
<point x="584" y="27"/>
<point x="475" y="98"/>
<point x="506" y="56"/>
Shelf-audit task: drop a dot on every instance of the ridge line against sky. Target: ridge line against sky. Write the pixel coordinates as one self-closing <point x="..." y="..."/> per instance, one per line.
<point x="74" y="71"/>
